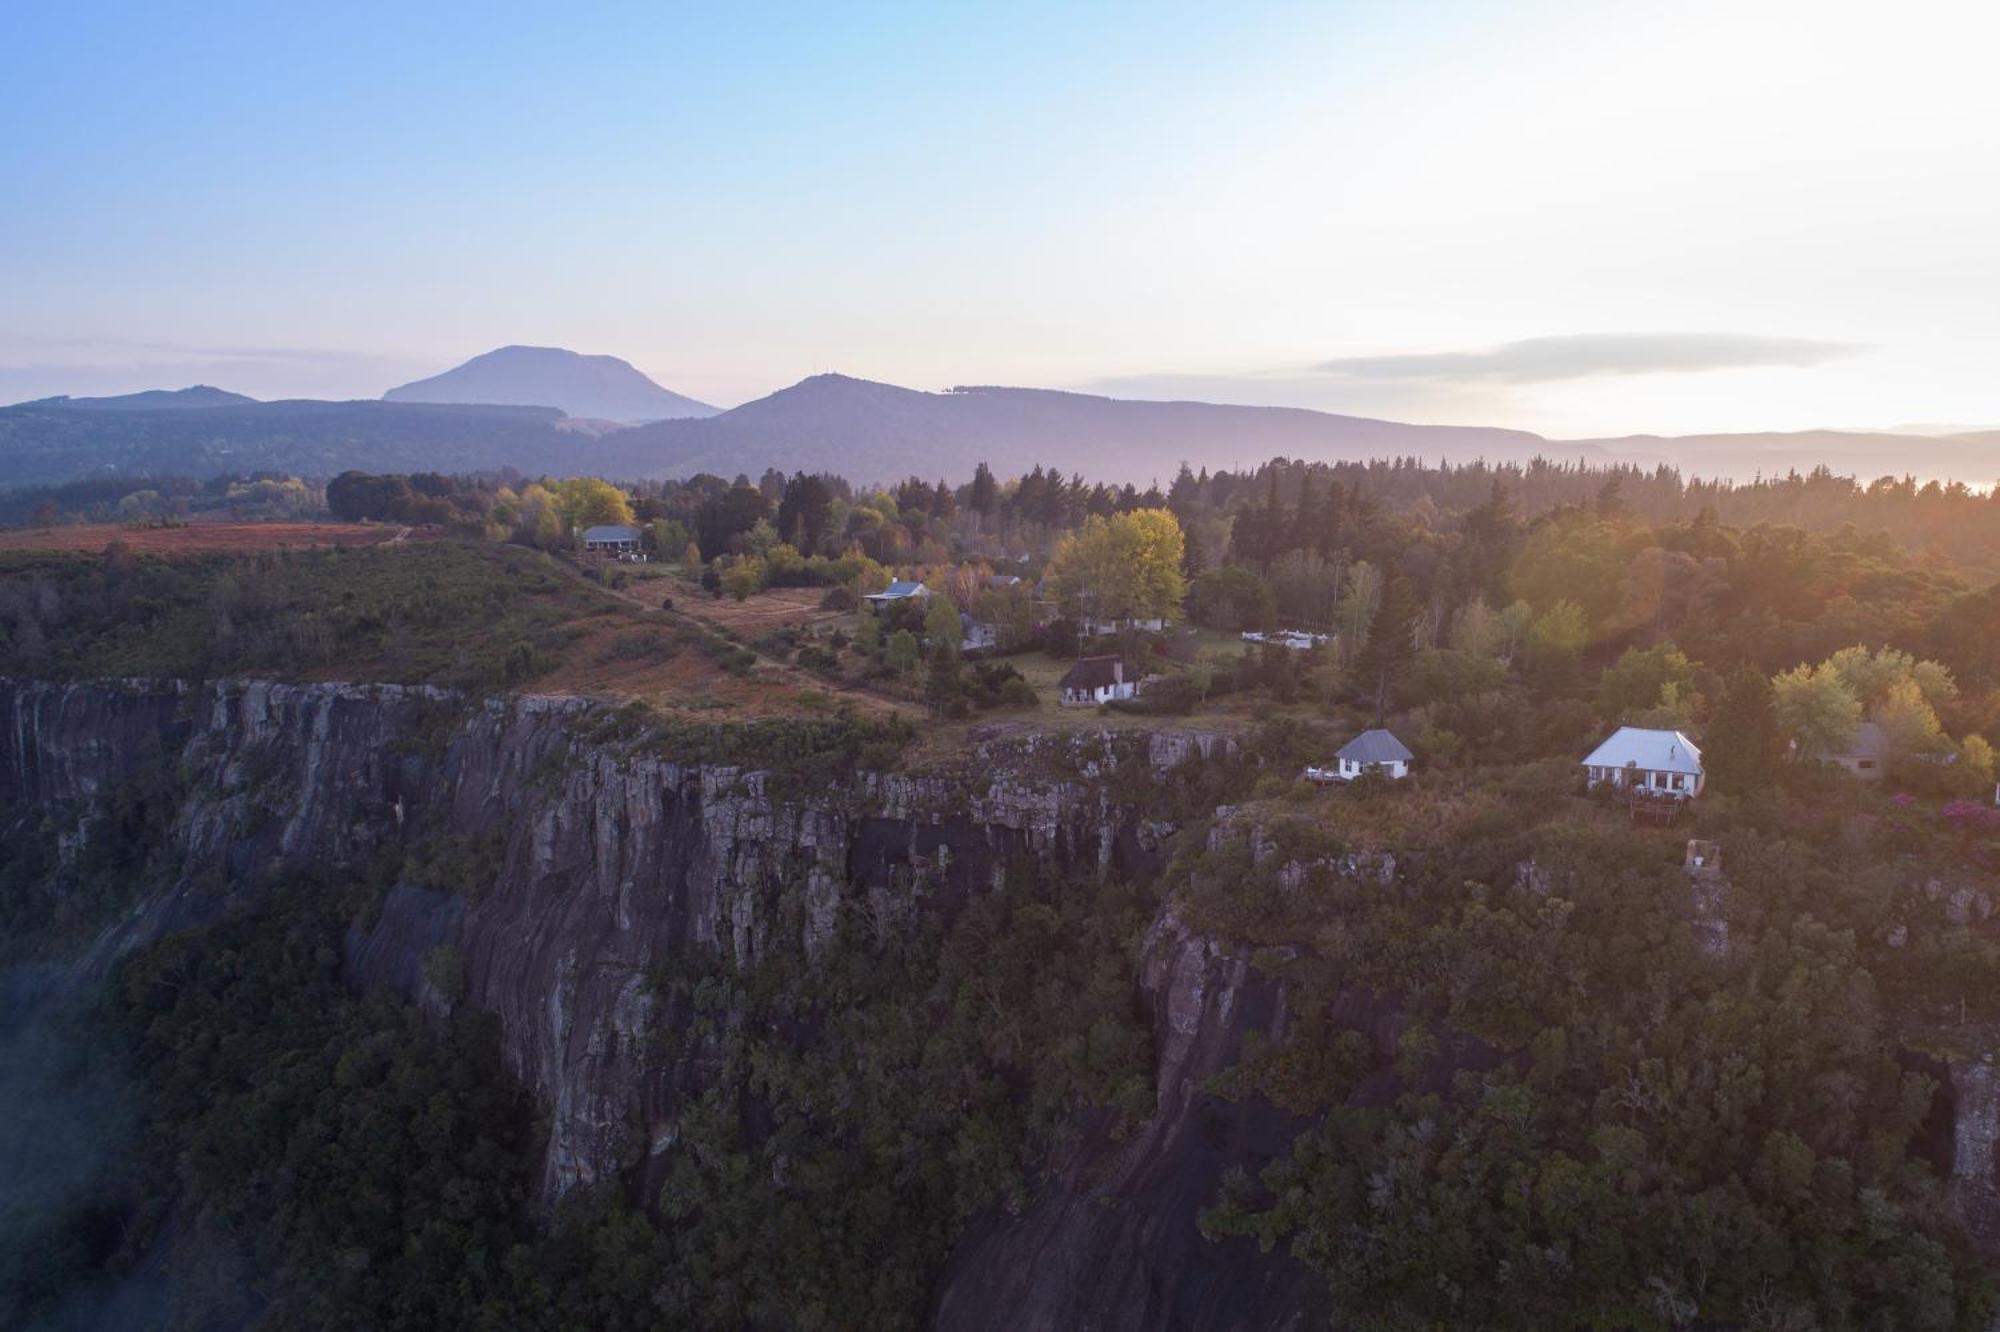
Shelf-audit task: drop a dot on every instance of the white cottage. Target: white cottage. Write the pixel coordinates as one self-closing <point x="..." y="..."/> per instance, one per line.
<point x="1637" y="758"/>
<point x="903" y="589"/>
<point x="1096" y="680"/>
<point x="1373" y="750"/>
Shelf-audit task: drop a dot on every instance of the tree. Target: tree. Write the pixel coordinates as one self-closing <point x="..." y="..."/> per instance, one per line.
<point x="1156" y="550"/>
<point x="1816" y="709"/>
<point x="804" y="511"/>
<point x="1868" y="676"/>
<point x="1640" y="679"/>
<point x="867" y="628"/>
<point x="1975" y="767"/>
<point x="1193" y="561"/>
<point x="1357" y="607"/>
<point x="541" y="523"/>
<point x="1261" y="530"/>
<point x="1515" y="623"/>
<point x="1556" y="639"/>
<point x="1744" y="742"/>
<point x="738" y="510"/>
<point x="1909" y="726"/>
<point x="1126" y="566"/>
<point x="743" y="577"/>
<point x="1578" y="561"/>
<point x="1475" y="630"/>
<point x="942" y="631"/>
<point x="902" y="653"/>
<point x="985" y="490"/>
<point x="587" y="501"/>
<point x="1231" y="598"/>
<point x="667" y="537"/>
<point x="1390" y="643"/>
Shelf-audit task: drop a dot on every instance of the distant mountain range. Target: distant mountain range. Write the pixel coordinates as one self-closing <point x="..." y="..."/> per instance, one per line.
<point x="1973" y="459"/>
<point x="862" y="430"/>
<point x="600" y="388"/>
<point x="43" y="443"/>
<point x="200" y="395"/>
<point x="871" y="431"/>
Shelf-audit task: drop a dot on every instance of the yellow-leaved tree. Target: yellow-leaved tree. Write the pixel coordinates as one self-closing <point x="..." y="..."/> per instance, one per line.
<point x="587" y="501"/>
<point x="1125" y="567"/>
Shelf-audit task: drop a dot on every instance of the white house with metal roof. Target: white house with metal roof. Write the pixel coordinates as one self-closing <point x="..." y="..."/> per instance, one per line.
<point x="1638" y="758"/>
<point x="900" y="590"/>
<point x="611" y="539"/>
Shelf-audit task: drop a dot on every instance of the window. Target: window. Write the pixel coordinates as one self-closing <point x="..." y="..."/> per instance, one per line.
<point x="1679" y="782"/>
<point x="1865" y="764"/>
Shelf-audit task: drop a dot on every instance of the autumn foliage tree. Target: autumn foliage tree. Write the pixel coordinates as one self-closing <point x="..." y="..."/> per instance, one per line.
<point x="1123" y="567"/>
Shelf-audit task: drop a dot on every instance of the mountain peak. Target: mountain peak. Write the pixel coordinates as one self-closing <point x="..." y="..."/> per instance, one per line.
<point x="598" y="387"/>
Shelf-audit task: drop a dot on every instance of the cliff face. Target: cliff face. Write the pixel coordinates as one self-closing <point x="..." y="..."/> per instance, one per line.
<point x="561" y="864"/>
<point x="1112" y="1242"/>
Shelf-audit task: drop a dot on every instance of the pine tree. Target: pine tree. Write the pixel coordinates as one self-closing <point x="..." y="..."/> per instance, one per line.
<point x="1183" y="494"/>
<point x="1306" y="518"/>
<point x="1193" y="561"/>
<point x="985" y="490"/>
<point x="1390" y="643"/>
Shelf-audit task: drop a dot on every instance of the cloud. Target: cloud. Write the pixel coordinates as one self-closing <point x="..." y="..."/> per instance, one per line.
<point x="1586" y="355"/>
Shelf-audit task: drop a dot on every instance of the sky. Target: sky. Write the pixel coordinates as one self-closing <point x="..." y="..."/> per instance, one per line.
<point x="1585" y="219"/>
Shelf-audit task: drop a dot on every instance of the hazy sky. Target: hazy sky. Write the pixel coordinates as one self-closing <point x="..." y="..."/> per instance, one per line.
<point x="1579" y="218"/>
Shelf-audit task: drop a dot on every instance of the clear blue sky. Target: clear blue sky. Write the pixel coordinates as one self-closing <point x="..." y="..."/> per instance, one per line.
<point x="1363" y="207"/>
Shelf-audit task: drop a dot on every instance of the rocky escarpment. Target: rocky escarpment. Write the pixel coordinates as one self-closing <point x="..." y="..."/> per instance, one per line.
<point x="1111" y="1244"/>
<point x="557" y="861"/>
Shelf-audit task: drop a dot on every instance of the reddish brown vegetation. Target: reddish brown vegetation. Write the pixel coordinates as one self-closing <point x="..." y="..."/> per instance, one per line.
<point x="201" y="538"/>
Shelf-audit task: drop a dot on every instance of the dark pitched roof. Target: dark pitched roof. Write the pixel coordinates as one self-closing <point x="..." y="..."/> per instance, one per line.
<point x="611" y="532"/>
<point x="1375" y="746"/>
<point x="1092" y="673"/>
<point x="1870" y="742"/>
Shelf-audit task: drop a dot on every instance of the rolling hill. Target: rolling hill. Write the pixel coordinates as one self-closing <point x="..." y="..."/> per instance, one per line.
<point x="151" y="400"/>
<point x="46" y="443"/>
<point x="593" y="387"/>
<point x="868" y="431"/>
<point x="1973" y="459"/>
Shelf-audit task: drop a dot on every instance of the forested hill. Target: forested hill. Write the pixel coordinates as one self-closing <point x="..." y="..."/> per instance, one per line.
<point x="196" y="395"/>
<point x="50" y="442"/>
<point x="879" y="432"/>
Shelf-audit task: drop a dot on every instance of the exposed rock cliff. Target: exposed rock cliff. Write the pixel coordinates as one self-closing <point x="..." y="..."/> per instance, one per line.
<point x="1112" y="1244"/>
<point x="562" y="862"/>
